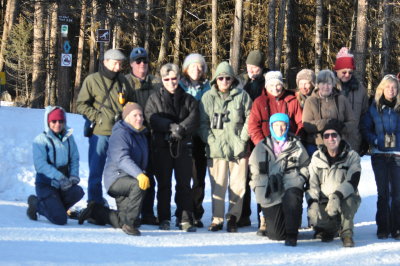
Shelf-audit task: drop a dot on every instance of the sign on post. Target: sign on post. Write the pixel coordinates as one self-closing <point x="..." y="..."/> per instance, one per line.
<point x="64" y="30"/>
<point x="103" y="35"/>
<point x="66" y="60"/>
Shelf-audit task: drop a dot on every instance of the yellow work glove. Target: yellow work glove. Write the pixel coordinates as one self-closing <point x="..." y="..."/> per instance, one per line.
<point x="144" y="181"/>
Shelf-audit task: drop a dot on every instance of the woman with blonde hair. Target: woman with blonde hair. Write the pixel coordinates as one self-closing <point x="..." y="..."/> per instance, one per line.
<point x="381" y="128"/>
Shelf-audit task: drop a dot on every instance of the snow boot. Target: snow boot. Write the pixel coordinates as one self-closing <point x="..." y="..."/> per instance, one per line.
<point x="165" y="225"/>
<point x="348" y="242"/>
<point x="187" y="227"/>
<point x="32" y="207"/>
<point x="130" y="230"/>
<point x="231" y="226"/>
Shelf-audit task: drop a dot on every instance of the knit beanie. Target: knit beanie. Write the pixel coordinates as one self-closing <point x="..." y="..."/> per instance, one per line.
<point x="279" y="117"/>
<point x="56" y="114"/>
<point x="256" y="58"/>
<point x="333" y="124"/>
<point x="194" y="58"/>
<point x="273" y="76"/>
<point x="344" y="60"/>
<point x="114" y="54"/>
<point x="138" y="52"/>
<point x="129" y="107"/>
<point x="306" y="74"/>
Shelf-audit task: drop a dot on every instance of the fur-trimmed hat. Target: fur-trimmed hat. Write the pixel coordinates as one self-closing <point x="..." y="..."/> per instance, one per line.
<point x="344" y="60"/>
<point x="305" y="74"/>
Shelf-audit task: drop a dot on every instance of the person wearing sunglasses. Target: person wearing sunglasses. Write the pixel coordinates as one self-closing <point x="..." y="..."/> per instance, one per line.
<point x="380" y="126"/>
<point x="194" y="82"/>
<point x="173" y="116"/>
<point x="335" y="171"/>
<point x="224" y="111"/>
<point x="324" y="104"/>
<point x="279" y="171"/>
<point x="143" y="85"/>
<point x="354" y="91"/>
<point x="56" y="161"/>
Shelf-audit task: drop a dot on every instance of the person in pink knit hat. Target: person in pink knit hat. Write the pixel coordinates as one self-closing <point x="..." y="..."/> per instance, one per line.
<point x="353" y="90"/>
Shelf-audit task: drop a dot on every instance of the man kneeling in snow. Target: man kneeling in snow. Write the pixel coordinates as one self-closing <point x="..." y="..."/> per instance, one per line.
<point x="334" y="176"/>
<point x="56" y="160"/>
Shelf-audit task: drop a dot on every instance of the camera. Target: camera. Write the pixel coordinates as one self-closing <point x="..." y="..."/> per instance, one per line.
<point x="219" y="119"/>
<point x="390" y="140"/>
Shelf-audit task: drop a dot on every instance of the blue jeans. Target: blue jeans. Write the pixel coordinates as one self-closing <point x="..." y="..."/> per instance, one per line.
<point x="387" y="177"/>
<point x="98" y="146"/>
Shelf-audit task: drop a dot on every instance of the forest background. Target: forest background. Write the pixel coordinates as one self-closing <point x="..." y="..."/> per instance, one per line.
<point x="293" y="34"/>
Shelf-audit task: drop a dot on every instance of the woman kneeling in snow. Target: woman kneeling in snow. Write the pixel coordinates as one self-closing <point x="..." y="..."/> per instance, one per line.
<point x="56" y="160"/>
<point x="278" y="165"/>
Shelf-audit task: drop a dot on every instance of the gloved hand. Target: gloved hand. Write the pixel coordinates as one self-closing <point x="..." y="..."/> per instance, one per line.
<point x="333" y="206"/>
<point x="55" y="183"/>
<point x="65" y="183"/>
<point x="313" y="214"/>
<point x="144" y="181"/>
<point x="177" y="131"/>
<point x="74" y="179"/>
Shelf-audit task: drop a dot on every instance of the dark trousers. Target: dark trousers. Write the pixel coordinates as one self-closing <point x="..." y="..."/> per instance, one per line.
<point x="149" y="194"/>
<point x="128" y="197"/>
<point x="98" y="146"/>
<point x="199" y="175"/>
<point x="387" y="177"/>
<point x="164" y="163"/>
<point x="53" y="203"/>
<point x="285" y="218"/>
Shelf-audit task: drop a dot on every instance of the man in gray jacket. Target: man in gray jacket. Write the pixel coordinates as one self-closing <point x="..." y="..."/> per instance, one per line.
<point x="334" y="176"/>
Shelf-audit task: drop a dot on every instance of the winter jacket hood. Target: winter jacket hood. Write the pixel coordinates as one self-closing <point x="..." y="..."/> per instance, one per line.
<point x="224" y="68"/>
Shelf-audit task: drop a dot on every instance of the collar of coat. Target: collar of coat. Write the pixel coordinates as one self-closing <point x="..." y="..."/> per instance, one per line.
<point x="232" y="92"/>
<point x="291" y="147"/>
<point x="322" y="154"/>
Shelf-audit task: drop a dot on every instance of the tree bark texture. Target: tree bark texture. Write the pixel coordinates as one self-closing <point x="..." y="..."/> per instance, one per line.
<point x="38" y="72"/>
<point x="361" y="39"/>
<point x="280" y="34"/>
<point x="8" y="23"/>
<point x="178" y="30"/>
<point x="214" y="35"/>
<point x="162" y="56"/>
<point x="386" y="40"/>
<point x="271" y="34"/>
<point x="237" y="35"/>
<point x="318" y="36"/>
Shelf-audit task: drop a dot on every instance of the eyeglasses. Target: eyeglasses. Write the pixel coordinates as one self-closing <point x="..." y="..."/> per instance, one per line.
<point x="333" y="135"/>
<point x="141" y="60"/>
<point x="59" y="121"/>
<point x="170" y="79"/>
<point x="347" y="72"/>
<point x="226" y="78"/>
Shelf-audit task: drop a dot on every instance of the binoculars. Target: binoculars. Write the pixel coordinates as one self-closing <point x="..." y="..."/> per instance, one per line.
<point x="218" y="120"/>
<point x="390" y="140"/>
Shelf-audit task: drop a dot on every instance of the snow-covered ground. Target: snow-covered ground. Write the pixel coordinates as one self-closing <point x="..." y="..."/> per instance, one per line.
<point x="26" y="242"/>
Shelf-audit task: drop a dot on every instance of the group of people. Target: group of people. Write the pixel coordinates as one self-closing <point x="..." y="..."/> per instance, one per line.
<point x="247" y="130"/>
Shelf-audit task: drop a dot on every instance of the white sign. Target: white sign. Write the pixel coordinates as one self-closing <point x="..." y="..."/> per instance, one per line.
<point x="66" y="60"/>
<point x="64" y="30"/>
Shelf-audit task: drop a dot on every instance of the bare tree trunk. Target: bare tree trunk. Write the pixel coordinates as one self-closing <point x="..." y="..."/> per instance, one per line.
<point x="237" y="35"/>
<point x="38" y="71"/>
<point x="81" y="42"/>
<point x="178" y="30"/>
<point x="51" y="57"/>
<point x="271" y="34"/>
<point x="214" y="36"/>
<point x="8" y="23"/>
<point x="149" y="4"/>
<point x="328" y="42"/>
<point x="162" y="56"/>
<point x="292" y="44"/>
<point x="318" y="36"/>
<point x="361" y="39"/>
<point x="93" y="64"/>
<point x="135" y="28"/>
<point x="350" y="43"/>
<point x="279" y="34"/>
<point x="386" y="32"/>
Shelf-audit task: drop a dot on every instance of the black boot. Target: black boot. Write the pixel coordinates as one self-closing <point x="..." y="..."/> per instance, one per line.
<point x="130" y="230"/>
<point x="231" y="225"/>
<point x="86" y="213"/>
<point x="291" y="240"/>
<point x="32" y="207"/>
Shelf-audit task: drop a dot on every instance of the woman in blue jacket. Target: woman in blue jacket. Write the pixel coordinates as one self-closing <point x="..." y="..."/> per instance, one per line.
<point x="56" y="160"/>
<point x="381" y="128"/>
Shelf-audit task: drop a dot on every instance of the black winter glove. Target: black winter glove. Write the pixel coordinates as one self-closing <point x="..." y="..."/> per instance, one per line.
<point x="65" y="183"/>
<point x="74" y="179"/>
<point x="177" y="131"/>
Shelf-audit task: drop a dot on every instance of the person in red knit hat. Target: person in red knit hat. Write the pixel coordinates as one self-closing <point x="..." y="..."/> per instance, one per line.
<point x="353" y="90"/>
